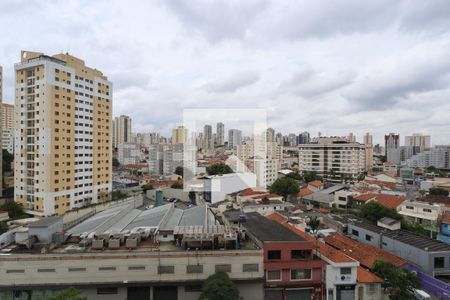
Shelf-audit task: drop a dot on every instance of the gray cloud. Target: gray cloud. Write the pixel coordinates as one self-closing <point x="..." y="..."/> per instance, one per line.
<point x="232" y="83"/>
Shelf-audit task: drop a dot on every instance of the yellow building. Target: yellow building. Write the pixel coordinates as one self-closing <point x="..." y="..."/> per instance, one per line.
<point x="7" y="115"/>
<point x="179" y="135"/>
<point x="62" y="134"/>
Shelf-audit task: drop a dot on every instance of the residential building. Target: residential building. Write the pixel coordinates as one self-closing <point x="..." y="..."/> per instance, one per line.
<point x="304" y="138"/>
<point x="346" y="159"/>
<point x="121" y="130"/>
<point x="392" y="147"/>
<point x="344" y="198"/>
<point x="420" y="212"/>
<point x="351" y="137"/>
<point x="292" y="139"/>
<point x="262" y="158"/>
<point x="217" y="187"/>
<point x="234" y="138"/>
<point x="406" y="152"/>
<point x="368" y="142"/>
<point x="62" y="156"/>
<point x="418" y="140"/>
<point x="291" y="270"/>
<point x="8" y="140"/>
<point x="7" y="115"/>
<point x="444" y="229"/>
<point x="179" y="135"/>
<point x="128" y="153"/>
<point x="165" y="158"/>
<point x="220" y="134"/>
<point x="279" y="139"/>
<point x="208" y="140"/>
<point x="270" y="135"/>
<point x="438" y="156"/>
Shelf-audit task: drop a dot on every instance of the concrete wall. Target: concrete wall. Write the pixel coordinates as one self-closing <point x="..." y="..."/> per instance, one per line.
<point x="170" y="193"/>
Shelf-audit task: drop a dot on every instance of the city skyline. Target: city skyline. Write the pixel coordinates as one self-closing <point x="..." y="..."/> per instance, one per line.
<point x="376" y="71"/>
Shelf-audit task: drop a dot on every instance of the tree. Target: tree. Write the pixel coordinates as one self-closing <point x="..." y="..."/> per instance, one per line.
<point x="361" y="176"/>
<point x="147" y="187"/>
<point x="179" y="171"/>
<point x="219" y="287"/>
<point x="311" y="176"/>
<point x="438" y="191"/>
<point x="285" y="186"/>
<point x="69" y="294"/>
<point x="14" y="209"/>
<point x="217" y="169"/>
<point x="7" y="160"/>
<point x="373" y="211"/>
<point x="400" y="281"/>
<point x="313" y="223"/>
<point x="115" y="162"/>
<point x="295" y="175"/>
<point x="177" y="185"/>
<point x="192" y="196"/>
<point x="265" y="200"/>
<point x="3" y="227"/>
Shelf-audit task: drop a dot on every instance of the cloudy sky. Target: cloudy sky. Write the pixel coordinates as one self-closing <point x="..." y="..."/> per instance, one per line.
<point x="350" y="66"/>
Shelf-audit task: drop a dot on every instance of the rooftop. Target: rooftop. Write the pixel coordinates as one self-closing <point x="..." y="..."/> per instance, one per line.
<point x="407" y="237"/>
<point x="366" y="254"/>
<point x="267" y="230"/>
<point x="364" y="276"/>
<point x="45" y="222"/>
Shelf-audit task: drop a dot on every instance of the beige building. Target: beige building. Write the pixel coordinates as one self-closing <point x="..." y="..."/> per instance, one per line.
<point x="418" y="140"/>
<point x="7" y="115"/>
<point x="121" y="130"/>
<point x="62" y="134"/>
<point x="333" y="153"/>
<point x="368" y="142"/>
<point x="179" y="135"/>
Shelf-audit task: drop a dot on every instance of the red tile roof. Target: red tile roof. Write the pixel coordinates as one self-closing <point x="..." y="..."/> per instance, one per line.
<point x="391" y="201"/>
<point x="304" y="192"/>
<point x="364" y="197"/>
<point x="268" y="196"/>
<point x="445" y="219"/>
<point x="315" y="183"/>
<point x="250" y="192"/>
<point x="366" y="254"/>
<point x="322" y="248"/>
<point x="364" y="276"/>
<point x="383" y="184"/>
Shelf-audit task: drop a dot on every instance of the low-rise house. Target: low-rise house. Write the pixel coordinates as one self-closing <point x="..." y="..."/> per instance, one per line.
<point x="323" y="198"/>
<point x="390" y="201"/>
<point x="217" y="187"/>
<point x="343" y="198"/>
<point x="315" y="185"/>
<point x="420" y="212"/>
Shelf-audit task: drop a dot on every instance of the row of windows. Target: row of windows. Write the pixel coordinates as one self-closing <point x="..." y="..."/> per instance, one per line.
<point x="295" y="254"/>
<point x="295" y="275"/>
<point x="162" y="269"/>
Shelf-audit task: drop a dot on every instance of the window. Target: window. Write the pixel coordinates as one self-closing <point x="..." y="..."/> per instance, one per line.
<point x="250" y="268"/>
<point x="166" y="269"/>
<point x="15" y="271"/>
<point x="410" y="207"/>
<point x="368" y="237"/>
<point x="300" y="254"/>
<point x="355" y="232"/>
<point x="77" y="269"/>
<point x="107" y="268"/>
<point x="191" y="269"/>
<point x="439" y="262"/>
<point x="45" y="270"/>
<point x="371" y="288"/>
<point x="273" y="275"/>
<point x="346" y="271"/>
<point x="226" y="268"/>
<point x="107" y="291"/>
<point x="427" y="210"/>
<point x="301" y="274"/>
<point x="274" y="254"/>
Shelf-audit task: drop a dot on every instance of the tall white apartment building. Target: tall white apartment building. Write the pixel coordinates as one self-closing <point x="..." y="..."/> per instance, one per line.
<point x="334" y="153"/>
<point x="128" y="153"/>
<point x="234" y="138"/>
<point x="121" y="130"/>
<point x="62" y="134"/>
<point x="220" y="134"/>
<point x="261" y="158"/>
<point x="418" y="140"/>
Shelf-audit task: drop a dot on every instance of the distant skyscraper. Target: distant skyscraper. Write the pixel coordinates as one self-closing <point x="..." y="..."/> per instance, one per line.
<point x="368" y="142"/>
<point x="279" y="139"/>
<point x="304" y="138"/>
<point x="351" y="137"/>
<point x="179" y="135"/>
<point x="418" y="140"/>
<point x="63" y="155"/>
<point x="234" y="138"/>
<point x="392" y="147"/>
<point x="121" y="130"/>
<point x="220" y="134"/>
<point x="7" y="115"/>
<point x="270" y="135"/>
<point x="208" y="141"/>
<point x="292" y="139"/>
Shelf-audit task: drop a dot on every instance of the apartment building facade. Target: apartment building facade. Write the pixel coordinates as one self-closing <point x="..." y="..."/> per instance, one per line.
<point x="62" y="134"/>
<point x="334" y="153"/>
<point x="165" y="158"/>
<point x="121" y="130"/>
<point x="128" y="153"/>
